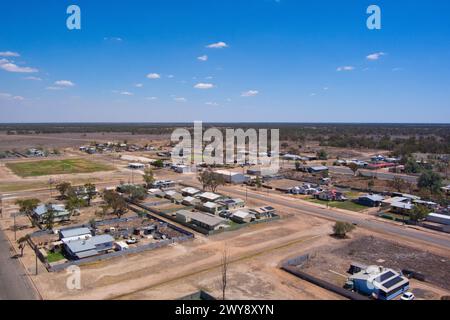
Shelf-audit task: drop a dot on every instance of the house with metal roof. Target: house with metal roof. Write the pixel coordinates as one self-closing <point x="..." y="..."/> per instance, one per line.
<point x="72" y="234"/>
<point x="232" y="177"/>
<point x="370" y="200"/>
<point x="232" y="204"/>
<point x="242" y="216"/>
<point x="59" y="213"/>
<point x="379" y="282"/>
<point x="211" y="207"/>
<point x="174" y="196"/>
<point x="190" y="201"/>
<point x="93" y="246"/>
<point x="189" y="191"/>
<point x="209" y="196"/>
<point x="201" y="219"/>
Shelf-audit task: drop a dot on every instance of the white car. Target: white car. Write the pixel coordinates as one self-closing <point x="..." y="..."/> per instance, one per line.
<point x="407" y="296"/>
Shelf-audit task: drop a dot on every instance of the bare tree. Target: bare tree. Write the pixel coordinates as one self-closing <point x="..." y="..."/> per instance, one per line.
<point x="224" y="270"/>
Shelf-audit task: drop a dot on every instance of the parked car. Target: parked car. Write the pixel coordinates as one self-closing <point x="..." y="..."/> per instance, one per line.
<point x="407" y="296"/>
<point x="131" y="241"/>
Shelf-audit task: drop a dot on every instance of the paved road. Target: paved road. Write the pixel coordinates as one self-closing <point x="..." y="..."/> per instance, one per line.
<point x="411" y="234"/>
<point x="362" y="221"/>
<point x="14" y="283"/>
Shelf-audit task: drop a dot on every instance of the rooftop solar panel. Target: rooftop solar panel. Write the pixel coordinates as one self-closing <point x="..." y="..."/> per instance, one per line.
<point x="392" y="282"/>
<point x="386" y="276"/>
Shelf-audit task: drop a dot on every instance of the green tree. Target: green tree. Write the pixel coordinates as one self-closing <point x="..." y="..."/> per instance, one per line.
<point x="397" y="184"/>
<point x="116" y="202"/>
<point x="149" y="177"/>
<point x="158" y="163"/>
<point x="258" y="182"/>
<point x="64" y="188"/>
<point x="419" y="213"/>
<point x="91" y="192"/>
<point x="22" y="241"/>
<point x="322" y="155"/>
<point x="430" y="180"/>
<point x="49" y="216"/>
<point x="340" y="229"/>
<point x="354" y="167"/>
<point x="74" y="203"/>
<point x="412" y="166"/>
<point x="27" y="206"/>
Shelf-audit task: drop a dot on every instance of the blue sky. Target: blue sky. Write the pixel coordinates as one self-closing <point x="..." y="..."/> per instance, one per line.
<point x="271" y="60"/>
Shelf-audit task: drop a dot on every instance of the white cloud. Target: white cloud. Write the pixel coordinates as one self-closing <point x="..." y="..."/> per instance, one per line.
<point x="151" y="98"/>
<point x="325" y="88"/>
<point x="203" y="58"/>
<point x="8" y="96"/>
<point x="54" y="88"/>
<point x="153" y="76"/>
<point x="64" y="83"/>
<point x="138" y="85"/>
<point x="11" y="67"/>
<point x="375" y="56"/>
<point x="116" y="39"/>
<point x="346" y="68"/>
<point x="210" y="103"/>
<point x="9" y="54"/>
<point x="180" y="99"/>
<point x="250" y="93"/>
<point x="204" y="86"/>
<point x="126" y="93"/>
<point x="33" y="78"/>
<point x="217" y="45"/>
<point x="313" y="94"/>
<point x="170" y="76"/>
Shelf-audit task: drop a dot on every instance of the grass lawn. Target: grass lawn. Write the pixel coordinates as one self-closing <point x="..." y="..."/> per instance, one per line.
<point x="346" y="205"/>
<point x="54" y="256"/>
<point x="48" y="167"/>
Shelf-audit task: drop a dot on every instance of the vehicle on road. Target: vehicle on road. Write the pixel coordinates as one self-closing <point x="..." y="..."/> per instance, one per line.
<point x="407" y="296"/>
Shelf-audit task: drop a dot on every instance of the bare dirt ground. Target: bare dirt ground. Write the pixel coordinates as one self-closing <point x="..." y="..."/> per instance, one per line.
<point x="66" y="140"/>
<point x="333" y="260"/>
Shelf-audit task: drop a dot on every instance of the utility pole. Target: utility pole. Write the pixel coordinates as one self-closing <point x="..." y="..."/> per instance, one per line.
<point x="15" y="228"/>
<point x="35" y="253"/>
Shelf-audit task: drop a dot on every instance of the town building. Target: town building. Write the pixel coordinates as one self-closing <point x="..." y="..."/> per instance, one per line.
<point x="201" y="219"/>
<point x="379" y="282"/>
<point x="189" y="191"/>
<point x="370" y="200"/>
<point x="211" y="207"/>
<point x="439" y="218"/>
<point x="209" y="196"/>
<point x="59" y="213"/>
<point x="242" y="216"/>
<point x="190" y="201"/>
<point x="136" y="166"/>
<point x="232" y="204"/>
<point x="93" y="246"/>
<point x="232" y="177"/>
<point x="74" y="234"/>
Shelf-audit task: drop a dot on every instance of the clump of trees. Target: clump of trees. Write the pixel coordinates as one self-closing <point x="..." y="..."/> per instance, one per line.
<point x="340" y="229"/>
<point x="419" y="213"/>
<point x="148" y="177"/>
<point x="210" y="180"/>
<point x="322" y="155"/>
<point x="431" y="181"/>
<point x="116" y="202"/>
